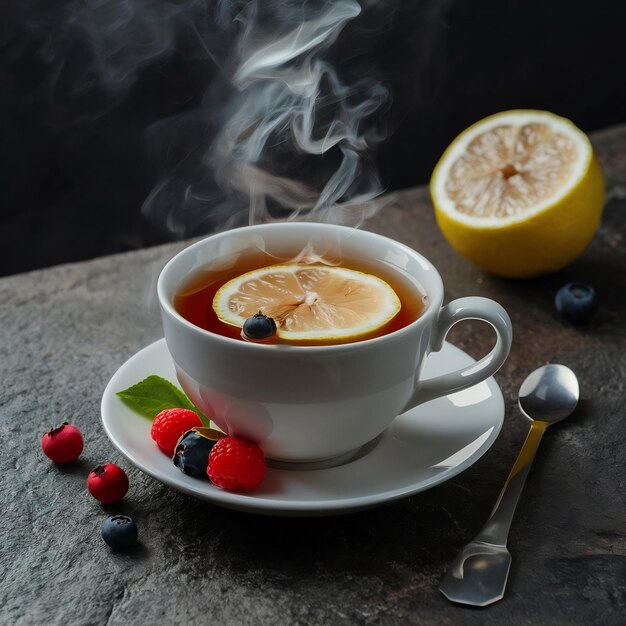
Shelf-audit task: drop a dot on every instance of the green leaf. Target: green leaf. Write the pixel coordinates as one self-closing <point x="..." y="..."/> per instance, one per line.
<point x="155" y="394"/>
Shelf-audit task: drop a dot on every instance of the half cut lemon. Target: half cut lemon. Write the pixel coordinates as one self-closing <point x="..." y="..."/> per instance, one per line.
<point x="310" y="303"/>
<point x="519" y="193"/>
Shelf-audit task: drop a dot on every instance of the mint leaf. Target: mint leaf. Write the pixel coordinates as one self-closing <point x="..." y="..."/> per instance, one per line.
<point x="155" y="394"/>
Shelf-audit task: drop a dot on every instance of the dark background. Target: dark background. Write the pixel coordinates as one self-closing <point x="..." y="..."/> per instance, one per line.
<point x="77" y="164"/>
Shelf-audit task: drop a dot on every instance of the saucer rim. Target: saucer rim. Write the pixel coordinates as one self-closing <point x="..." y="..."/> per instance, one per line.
<point x="250" y="503"/>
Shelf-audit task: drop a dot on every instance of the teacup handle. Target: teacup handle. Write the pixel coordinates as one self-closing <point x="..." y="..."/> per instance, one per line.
<point x="470" y="308"/>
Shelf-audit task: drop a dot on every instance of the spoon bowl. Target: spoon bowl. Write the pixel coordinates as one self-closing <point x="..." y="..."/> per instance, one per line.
<point x="549" y="394"/>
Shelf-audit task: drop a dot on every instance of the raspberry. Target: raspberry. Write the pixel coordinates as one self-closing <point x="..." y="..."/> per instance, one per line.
<point x="170" y="425"/>
<point x="107" y="483"/>
<point x="236" y="464"/>
<point x="62" y="444"/>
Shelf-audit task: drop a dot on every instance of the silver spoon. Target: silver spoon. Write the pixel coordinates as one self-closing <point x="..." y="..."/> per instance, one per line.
<point x="479" y="573"/>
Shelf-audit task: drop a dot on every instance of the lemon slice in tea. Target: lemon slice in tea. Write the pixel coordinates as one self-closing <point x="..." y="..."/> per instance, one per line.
<point x="519" y="193"/>
<point x="310" y="303"/>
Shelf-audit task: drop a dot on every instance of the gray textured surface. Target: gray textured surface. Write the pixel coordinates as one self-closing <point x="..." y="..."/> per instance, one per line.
<point x="63" y="333"/>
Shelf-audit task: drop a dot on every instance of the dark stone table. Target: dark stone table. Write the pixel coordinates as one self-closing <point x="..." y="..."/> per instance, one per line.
<point x="65" y="330"/>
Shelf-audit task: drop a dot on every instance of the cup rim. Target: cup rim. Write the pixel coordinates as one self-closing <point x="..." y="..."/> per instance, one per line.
<point x="168" y="308"/>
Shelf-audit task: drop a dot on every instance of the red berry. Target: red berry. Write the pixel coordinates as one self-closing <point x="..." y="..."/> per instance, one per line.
<point x="107" y="483"/>
<point x="170" y="425"/>
<point x="62" y="444"/>
<point x="236" y="464"/>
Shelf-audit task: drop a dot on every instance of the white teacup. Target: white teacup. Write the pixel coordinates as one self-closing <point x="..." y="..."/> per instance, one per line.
<point x="312" y="403"/>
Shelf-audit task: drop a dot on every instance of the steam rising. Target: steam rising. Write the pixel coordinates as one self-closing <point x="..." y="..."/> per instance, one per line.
<point x="289" y="110"/>
<point x="279" y="133"/>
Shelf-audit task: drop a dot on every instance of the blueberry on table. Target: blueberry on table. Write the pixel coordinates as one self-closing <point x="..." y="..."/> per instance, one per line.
<point x="576" y="302"/>
<point x="119" y="532"/>
<point x="259" y="327"/>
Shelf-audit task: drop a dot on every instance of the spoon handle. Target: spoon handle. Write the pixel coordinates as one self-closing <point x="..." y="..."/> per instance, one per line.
<point x="496" y="529"/>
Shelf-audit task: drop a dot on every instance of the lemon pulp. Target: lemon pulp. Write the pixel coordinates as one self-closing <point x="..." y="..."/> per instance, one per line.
<point x="309" y="302"/>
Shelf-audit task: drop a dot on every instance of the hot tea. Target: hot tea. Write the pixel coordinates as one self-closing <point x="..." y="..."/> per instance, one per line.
<point x="315" y="403"/>
<point x="403" y="300"/>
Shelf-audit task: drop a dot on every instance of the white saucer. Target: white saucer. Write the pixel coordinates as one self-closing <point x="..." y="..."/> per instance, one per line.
<point x="421" y="449"/>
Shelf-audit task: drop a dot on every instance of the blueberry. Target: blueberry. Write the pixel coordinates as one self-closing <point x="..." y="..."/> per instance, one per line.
<point x="576" y="302"/>
<point x="259" y="326"/>
<point x="119" y="532"/>
<point x="192" y="453"/>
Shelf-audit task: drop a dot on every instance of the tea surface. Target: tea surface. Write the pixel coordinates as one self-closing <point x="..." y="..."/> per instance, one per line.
<point x="194" y="300"/>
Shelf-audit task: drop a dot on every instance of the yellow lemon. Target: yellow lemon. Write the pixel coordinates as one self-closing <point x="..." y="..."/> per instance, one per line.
<point x="519" y="193"/>
<point x="310" y="303"/>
